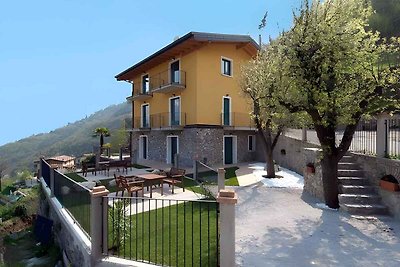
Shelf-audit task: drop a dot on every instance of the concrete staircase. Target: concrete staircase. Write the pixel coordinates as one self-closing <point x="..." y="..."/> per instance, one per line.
<point x="357" y="196"/>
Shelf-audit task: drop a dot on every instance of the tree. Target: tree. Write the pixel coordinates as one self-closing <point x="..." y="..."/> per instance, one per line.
<point x="331" y="69"/>
<point x="102" y="132"/>
<point x="260" y="82"/>
<point x="119" y="138"/>
<point x="3" y="168"/>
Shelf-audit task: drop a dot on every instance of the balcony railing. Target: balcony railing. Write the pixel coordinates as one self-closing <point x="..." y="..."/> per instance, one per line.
<point x="237" y="121"/>
<point x="165" y="120"/>
<point x="169" y="81"/>
<point x="164" y="82"/>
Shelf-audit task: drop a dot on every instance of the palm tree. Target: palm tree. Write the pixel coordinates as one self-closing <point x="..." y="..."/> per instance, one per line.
<point x="102" y="132"/>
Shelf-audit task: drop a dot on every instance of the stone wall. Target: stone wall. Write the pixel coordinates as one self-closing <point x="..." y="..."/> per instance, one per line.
<point x="375" y="168"/>
<point x="200" y="143"/>
<point x="67" y="235"/>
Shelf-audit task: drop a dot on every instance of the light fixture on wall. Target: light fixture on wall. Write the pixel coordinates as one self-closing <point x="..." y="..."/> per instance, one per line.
<point x="227" y="95"/>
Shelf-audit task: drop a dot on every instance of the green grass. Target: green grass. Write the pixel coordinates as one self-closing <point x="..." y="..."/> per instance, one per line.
<point x="230" y="176"/>
<point x="76" y="177"/>
<point x="167" y="236"/>
<point x="138" y="166"/>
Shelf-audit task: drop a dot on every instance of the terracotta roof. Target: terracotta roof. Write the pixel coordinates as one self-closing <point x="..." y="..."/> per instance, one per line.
<point x="62" y="158"/>
<point x="184" y="44"/>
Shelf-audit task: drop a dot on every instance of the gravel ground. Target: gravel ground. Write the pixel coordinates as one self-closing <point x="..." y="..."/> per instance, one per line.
<point x="283" y="227"/>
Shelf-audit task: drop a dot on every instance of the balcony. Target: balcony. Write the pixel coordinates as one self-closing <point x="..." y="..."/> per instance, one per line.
<point x="165" y="82"/>
<point x="168" y="82"/>
<point x="237" y="121"/>
<point x="161" y="121"/>
<point x="140" y="92"/>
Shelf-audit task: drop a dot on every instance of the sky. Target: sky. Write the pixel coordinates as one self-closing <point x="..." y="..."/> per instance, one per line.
<point x="58" y="58"/>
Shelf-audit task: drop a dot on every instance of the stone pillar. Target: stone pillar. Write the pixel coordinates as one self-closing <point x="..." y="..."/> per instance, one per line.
<point x="227" y="200"/>
<point x="304" y="134"/>
<point x="382" y="136"/>
<point x="51" y="182"/>
<point x="97" y="221"/>
<point x="221" y="179"/>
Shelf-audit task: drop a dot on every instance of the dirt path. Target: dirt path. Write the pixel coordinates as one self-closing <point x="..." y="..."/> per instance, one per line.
<point x="282" y="227"/>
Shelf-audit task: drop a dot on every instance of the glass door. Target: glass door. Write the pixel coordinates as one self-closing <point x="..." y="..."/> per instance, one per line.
<point x="145" y="116"/>
<point x="175" y="111"/>
<point x="175" y="77"/>
<point x="226" y="115"/>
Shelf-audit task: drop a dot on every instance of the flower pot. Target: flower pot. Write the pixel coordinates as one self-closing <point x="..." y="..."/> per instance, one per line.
<point x="389" y="186"/>
<point x="310" y="169"/>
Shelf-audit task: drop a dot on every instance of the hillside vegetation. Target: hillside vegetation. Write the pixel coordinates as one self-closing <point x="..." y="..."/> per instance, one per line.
<point x="73" y="139"/>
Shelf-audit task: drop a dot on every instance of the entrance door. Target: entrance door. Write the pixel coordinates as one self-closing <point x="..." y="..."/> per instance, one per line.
<point x="175" y="72"/>
<point x="172" y="149"/>
<point x="143" y="147"/>
<point x="230" y="149"/>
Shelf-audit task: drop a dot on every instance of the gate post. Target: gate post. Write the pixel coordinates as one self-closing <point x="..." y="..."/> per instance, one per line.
<point x="382" y="137"/>
<point x="221" y="179"/>
<point x="227" y="200"/>
<point x="97" y="223"/>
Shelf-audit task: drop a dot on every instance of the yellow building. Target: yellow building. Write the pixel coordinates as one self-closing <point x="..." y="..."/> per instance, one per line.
<point x="186" y="100"/>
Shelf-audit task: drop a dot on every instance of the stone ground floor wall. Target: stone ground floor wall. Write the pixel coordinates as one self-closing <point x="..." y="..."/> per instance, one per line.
<point x="76" y="246"/>
<point x="195" y="143"/>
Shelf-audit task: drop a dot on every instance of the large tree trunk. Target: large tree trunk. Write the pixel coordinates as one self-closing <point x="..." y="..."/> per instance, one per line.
<point x="269" y="160"/>
<point x="329" y="166"/>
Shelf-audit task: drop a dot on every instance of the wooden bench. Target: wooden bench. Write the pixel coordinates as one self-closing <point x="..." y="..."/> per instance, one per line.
<point x="131" y="187"/>
<point x="124" y="164"/>
<point x="88" y="167"/>
<point x="175" y="177"/>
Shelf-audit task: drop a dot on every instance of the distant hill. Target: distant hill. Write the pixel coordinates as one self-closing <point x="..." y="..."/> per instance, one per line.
<point x="73" y="139"/>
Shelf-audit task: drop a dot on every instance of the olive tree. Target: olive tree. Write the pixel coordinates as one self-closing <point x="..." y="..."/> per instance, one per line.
<point x="261" y="83"/>
<point x="332" y="69"/>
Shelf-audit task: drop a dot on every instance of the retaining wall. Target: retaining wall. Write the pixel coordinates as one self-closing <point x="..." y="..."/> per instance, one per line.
<point x="67" y="234"/>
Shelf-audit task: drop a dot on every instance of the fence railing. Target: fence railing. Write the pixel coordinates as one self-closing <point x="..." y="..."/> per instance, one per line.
<point x="73" y="197"/>
<point x="392" y="135"/>
<point x="374" y="136"/>
<point x="165" y="232"/>
<point x="161" y="120"/>
<point x="236" y="119"/>
<point x="45" y="171"/>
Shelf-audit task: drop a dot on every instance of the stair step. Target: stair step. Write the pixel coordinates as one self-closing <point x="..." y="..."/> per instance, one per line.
<point x="350" y="173"/>
<point x="353" y="180"/>
<point x="347" y="158"/>
<point x="362" y="209"/>
<point x="357" y="189"/>
<point x="348" y="166"/>
<point x="359" y="199"/>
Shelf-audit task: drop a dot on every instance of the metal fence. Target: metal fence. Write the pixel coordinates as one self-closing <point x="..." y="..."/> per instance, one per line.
<point x="75" y="198"/>
<point x="164" y="232"/>
<point x="364" y="138"/>
<point x="392" y="135"/>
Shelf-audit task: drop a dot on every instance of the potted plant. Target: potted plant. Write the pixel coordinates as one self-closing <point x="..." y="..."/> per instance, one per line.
<point x="310" y="168"/>
<point x="389" y="183"/>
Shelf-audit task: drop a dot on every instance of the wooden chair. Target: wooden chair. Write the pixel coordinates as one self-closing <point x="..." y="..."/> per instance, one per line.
<point x="118" y="182"/>
<point x="175" y="177"/>
<point x="131" y="187"/>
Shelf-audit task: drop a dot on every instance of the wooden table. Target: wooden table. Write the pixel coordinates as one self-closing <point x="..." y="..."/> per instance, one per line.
<point x="152" y="179"/>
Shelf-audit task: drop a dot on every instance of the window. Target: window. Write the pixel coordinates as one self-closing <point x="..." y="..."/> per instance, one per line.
<point x="145" y="84"/>
<point x="251" y="144"/>
<point x="226" y="66"/>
